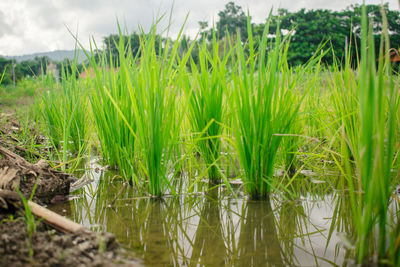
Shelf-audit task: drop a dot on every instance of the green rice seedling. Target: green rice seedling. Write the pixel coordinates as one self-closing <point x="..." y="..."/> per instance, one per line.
<point x="290" y="147"/>
<point x="314" y="90"/>
<point x="377" y="140"/>
<point x="76" y="107"/>
<point x="296" y="136"/>
<point x="207" y="108"/>
<point x="29" y="217"/>
<point x="301" y="146"/>
<point x="2" y="76"/>
<point x="265" y="108"/>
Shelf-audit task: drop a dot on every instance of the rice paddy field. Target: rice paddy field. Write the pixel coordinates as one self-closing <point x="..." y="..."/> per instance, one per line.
<point x="238" y="160"/>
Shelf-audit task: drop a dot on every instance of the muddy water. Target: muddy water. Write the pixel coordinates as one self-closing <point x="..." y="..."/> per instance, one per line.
<point x="214" y="229"/>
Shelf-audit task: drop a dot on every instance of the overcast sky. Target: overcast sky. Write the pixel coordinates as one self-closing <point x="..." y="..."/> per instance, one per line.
<point x="29" y="26"/>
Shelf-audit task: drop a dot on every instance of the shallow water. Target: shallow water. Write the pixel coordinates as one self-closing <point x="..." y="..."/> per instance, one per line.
<point x="215" y="229"/>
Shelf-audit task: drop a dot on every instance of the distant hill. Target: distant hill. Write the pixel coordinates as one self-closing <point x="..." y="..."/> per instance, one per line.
<point x="57" y="55"/>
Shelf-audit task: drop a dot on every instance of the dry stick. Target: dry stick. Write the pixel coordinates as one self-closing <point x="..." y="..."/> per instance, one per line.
<point x="55" y="220"/>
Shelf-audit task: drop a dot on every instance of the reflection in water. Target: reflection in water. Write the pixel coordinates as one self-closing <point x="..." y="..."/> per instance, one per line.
<point x="145" y="227"/>
<point x="213" y="231"/>
<point x="209" y="247"/>
<point x="258" y="241"/>
<point x="289" y="225"/>
<point x="156" y="231"/>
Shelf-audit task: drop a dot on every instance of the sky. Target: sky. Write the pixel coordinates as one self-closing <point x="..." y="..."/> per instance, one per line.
<point x="31" y="26"/>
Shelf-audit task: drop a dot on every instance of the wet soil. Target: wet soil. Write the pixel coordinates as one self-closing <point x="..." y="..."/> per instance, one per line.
<point x="51" y="248"/>
<point x="46" y="246"/>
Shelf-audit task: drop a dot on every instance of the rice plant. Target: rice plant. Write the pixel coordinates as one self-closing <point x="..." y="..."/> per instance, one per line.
<point x="207" y="107"/>
<point x="265" y="108"/>
<point x="345" y="100"/>
<point x="370" y="133"/>
<point x="65" y="112"/>
<point x="109" y="87"/>
<point x="158" y="122"/>
<point x="143" y="100"/>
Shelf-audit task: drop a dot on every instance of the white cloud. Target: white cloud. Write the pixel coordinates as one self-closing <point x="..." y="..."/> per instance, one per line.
<point x="28" y="26"/>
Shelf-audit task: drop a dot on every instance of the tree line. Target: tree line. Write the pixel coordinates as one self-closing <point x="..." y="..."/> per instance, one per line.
<point x="14" y="71"/>
<point x="309" y="29"/>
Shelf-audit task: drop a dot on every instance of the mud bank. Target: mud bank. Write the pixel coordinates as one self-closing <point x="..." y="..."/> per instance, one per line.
<point x="46" y="246"/>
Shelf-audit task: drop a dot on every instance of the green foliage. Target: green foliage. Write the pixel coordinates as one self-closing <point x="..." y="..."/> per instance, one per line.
<point x="6" y="68"/>
<point x="340" y="28"/>
<point x="311" y="28"/>
<point x="33" y="68"/>
<point x="20" y="94"/>
<point x="131" y="45"/>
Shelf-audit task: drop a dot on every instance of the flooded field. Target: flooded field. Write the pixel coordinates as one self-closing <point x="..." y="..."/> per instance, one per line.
<point x="215" y="228"/>
<point x="220" y="151"/>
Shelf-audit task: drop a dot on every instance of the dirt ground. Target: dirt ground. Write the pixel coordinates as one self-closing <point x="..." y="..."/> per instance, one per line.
<point x="20" y="168"/>
<point x="52" y="248"/>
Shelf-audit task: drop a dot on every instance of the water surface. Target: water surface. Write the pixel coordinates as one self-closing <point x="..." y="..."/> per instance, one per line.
<point x="215" y="228"/>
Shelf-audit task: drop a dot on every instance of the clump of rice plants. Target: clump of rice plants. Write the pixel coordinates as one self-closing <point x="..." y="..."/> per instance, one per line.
<point x="207" y="108"/>
<point x="51" y="108"/>
<point x="155" y="95"/>
<point x="369" y="131"/>
<point x="64" y="108"/>
<point x="345" y="100"/>
<point x="109" y="87"/>
<point x="139" y="108"/>
<point x="265" y="107"/>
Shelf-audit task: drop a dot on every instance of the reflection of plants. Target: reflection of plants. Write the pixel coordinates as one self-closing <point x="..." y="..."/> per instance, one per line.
<point x="258" y="240"/>
<point x="209" y="231"/>
<point x="291" y="219"/>
<point x="342" y="221"/>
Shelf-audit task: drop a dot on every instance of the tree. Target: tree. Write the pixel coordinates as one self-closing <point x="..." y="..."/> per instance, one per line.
<point x="232" y="19"/>
<point x="374" y="13"/>
<point x="131" y="45"/>
<point x="311" y="28"/>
